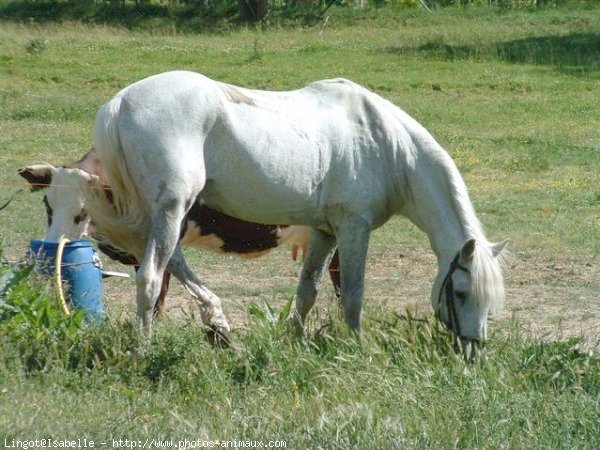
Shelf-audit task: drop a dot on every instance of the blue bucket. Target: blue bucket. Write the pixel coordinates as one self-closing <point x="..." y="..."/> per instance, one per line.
<point x="80" y="269"/>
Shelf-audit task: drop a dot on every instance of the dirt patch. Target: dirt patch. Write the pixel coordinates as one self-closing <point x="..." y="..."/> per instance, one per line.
<point x="557" y="300"/>
<point x="554" y="301"/>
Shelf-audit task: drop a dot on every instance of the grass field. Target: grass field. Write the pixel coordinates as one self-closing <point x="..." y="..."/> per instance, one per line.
<point x="513" y="96"/>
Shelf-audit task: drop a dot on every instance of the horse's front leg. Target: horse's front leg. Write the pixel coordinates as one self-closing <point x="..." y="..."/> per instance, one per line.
<point x="320" y="246"/>
<point x="353" y="244"/>
<point x="211" y="311"/>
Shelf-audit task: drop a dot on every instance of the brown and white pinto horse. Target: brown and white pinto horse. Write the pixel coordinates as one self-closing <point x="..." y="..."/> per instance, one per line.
<point x="203" y="228"/>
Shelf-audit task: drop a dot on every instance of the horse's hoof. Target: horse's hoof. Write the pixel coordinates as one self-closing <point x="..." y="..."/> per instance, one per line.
<point x="296" y="328"/>
<point x="218" y="337"/>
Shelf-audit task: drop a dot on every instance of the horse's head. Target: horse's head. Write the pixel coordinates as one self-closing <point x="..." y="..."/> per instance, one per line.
<point x="64" y="199"/>
<point x="466" y="290"/>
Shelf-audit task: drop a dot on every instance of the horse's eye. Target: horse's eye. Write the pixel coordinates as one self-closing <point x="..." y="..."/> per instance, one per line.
<point x="462" y="296"/>
<point x="80" y="217"/>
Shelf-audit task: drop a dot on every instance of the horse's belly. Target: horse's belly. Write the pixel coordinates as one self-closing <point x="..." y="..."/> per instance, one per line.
<point x="266" y="165"/>
<point x="264" y="203"/>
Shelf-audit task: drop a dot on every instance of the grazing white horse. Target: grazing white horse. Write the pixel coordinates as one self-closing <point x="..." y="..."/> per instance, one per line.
<point x="333" y="156"/>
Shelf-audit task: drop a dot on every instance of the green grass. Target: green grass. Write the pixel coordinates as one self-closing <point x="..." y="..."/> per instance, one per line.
<point x="399" y="386"/>
<point x="512" y="95"/>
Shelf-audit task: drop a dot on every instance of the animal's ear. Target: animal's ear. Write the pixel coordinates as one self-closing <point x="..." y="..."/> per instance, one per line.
<point x="93" y="180"/>
<point x="499" y="247"/>
<point x="38" y="176"/>
<point x="467" y="251"/>
<point x="96" y="182"/>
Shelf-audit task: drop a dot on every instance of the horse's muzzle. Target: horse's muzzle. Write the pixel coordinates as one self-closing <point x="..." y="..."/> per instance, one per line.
<point x="469" y="348"/>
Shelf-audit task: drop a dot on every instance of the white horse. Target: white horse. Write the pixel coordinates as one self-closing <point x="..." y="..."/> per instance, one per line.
<point x="333" y="156"/>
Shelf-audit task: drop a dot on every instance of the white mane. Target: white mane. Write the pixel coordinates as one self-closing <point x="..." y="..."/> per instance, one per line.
<point x="435" y="181"/>
<point x="487" y="278"/>
<point x="486" y="270"/>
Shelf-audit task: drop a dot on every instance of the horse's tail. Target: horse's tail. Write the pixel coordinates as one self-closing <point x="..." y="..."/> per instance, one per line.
<point x="118" y="212"/>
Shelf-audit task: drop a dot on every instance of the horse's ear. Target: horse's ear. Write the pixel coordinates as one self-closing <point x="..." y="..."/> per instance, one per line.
<point x="467" y="251"/>
<point x="38" y="176"/>
<point x="499" y="247"/>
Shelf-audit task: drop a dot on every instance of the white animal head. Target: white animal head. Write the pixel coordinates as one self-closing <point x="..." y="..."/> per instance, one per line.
<point x="64" y="199"/>
<point x="467" y="290"/>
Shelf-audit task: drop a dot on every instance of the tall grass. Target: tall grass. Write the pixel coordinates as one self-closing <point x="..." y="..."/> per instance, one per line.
<point x="399" y="386"/>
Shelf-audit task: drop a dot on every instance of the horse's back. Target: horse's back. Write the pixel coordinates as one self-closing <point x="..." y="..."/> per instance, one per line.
<point x="315" y="146"/>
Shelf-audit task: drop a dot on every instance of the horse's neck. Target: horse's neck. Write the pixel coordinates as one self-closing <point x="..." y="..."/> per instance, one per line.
<point x="439" y="203"/>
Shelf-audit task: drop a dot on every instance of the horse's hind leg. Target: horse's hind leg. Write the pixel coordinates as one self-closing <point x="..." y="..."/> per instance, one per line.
<point x="320" y="246"/>
<point x="160" y="302"/>
<point x="161" y="243"/>
<point x="210" y="305"/>
<point x="165" y="228"/>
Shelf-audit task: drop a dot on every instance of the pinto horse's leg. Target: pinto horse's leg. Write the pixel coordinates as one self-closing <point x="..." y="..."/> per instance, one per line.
<point x="353" y="244"/>
<point x="334" y="273"/>
<point x="320" y="246"/>
<point x="160" y="302"/>
<point x="210" y="305"/>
